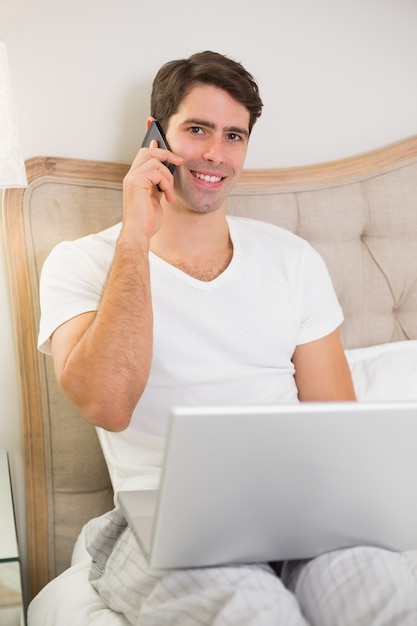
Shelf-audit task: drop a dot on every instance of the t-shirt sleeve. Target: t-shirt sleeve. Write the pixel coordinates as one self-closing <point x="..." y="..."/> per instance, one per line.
<point x="319" y="308"/>
<point x="71" y="283"/>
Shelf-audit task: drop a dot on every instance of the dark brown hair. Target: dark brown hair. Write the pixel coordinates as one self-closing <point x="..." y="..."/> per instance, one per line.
<point x="175" y="79"/>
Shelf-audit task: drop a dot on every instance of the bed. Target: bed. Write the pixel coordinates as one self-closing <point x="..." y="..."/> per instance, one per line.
<point x="361" y="215"/>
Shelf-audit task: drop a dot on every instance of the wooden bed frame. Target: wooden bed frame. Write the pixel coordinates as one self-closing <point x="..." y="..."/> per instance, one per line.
<point x="360" y="213"/>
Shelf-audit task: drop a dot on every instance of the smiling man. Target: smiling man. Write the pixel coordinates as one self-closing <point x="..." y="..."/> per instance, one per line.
<point x="181" y="304"/>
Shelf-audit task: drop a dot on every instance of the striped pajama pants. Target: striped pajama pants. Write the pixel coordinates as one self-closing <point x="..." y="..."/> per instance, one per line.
<point x="361" y="586"/>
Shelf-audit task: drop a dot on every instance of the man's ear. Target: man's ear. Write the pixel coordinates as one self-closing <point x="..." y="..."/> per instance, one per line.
<point x="149" y="121"/>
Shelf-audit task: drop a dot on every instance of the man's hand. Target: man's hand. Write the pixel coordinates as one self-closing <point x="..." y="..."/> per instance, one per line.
<point x="144" y="186"/>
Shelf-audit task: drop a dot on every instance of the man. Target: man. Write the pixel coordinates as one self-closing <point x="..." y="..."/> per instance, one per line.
<point x="182" y="305"/>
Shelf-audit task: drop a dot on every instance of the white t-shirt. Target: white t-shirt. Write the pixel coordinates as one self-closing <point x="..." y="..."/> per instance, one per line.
<point x="224" y="342"/>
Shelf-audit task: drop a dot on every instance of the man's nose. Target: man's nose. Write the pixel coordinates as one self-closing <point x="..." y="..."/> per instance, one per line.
<point x="214" y="150"/>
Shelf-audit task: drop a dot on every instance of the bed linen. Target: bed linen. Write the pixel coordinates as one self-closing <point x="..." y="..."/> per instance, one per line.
<point x="84" y="604"/>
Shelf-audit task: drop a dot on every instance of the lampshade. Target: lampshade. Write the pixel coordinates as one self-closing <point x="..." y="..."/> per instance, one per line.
<point x="12" y="168"/>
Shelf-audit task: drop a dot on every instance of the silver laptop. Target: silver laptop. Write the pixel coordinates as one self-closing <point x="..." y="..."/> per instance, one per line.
<point x="247" y="484"/>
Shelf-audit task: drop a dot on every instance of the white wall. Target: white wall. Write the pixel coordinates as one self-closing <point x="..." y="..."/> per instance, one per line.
<point x="337" y="77"/>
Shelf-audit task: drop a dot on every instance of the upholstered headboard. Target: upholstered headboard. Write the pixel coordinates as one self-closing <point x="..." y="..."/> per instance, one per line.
<point x="360" y="213"/>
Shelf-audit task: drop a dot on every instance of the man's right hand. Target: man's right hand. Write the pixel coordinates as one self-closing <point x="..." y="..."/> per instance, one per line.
<point x="145" y="185"/>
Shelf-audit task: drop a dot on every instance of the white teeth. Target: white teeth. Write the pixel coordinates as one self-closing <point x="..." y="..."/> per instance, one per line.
<point x="208" y="179"/>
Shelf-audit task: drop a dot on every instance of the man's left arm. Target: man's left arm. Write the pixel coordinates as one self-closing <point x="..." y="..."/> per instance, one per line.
<point x="322" y="371"/>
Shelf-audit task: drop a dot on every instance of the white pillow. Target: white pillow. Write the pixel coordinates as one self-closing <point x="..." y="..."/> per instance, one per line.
<point x="385" y="372"/>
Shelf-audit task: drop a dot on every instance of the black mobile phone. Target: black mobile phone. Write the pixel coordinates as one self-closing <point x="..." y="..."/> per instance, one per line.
<point x="155" y="132"/>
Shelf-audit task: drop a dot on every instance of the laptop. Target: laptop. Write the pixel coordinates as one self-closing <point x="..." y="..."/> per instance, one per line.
<point x="250" y="484"/>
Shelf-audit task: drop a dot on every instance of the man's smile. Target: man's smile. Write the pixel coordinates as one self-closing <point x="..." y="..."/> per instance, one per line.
<point x="207" y="178"/>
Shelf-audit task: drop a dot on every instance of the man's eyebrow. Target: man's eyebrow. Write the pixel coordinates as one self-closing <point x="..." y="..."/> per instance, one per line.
<point x="227" y="129"/>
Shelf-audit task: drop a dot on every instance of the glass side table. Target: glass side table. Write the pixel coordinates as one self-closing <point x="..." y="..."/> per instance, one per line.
<point x="11" y="599"/>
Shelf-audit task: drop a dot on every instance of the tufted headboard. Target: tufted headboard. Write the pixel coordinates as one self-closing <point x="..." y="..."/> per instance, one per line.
<point x="360" y="213"/>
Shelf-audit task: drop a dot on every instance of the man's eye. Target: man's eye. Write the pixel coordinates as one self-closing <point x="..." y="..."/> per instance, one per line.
<point x="234" y="137"/>
<point x="195" y="130"/>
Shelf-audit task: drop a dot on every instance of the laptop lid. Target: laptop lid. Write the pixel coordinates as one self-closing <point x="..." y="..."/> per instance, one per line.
<point x="247" y="484"/>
